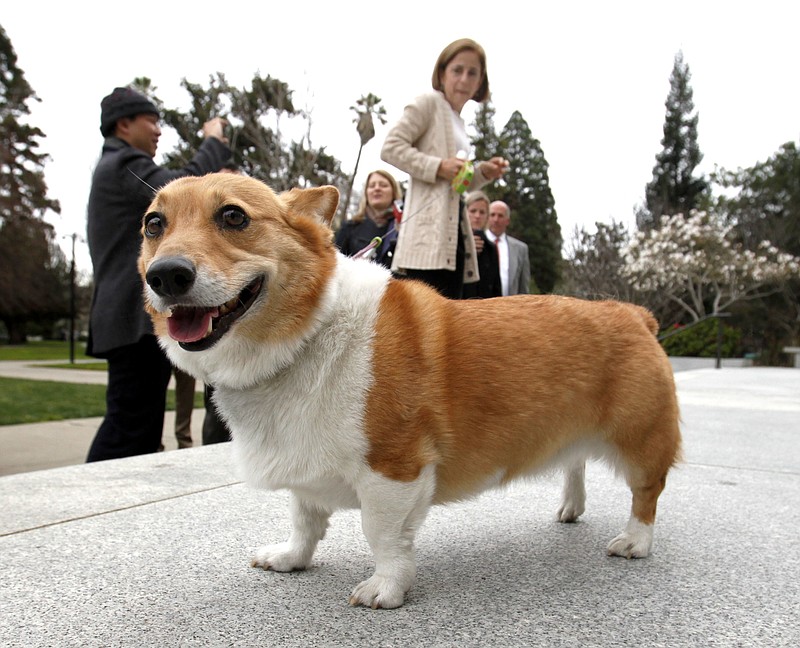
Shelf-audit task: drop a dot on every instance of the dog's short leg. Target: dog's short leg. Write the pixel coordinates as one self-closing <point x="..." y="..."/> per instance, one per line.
<point x="391" y="513"/>
<point x="637" y="538"/>
<point x="309" y="523"/>
<point x="573" y="499"/>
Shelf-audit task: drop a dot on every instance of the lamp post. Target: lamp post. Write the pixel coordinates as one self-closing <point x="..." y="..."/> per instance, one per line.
<point x="72" y="299"/>
<point x="72" y="303"/>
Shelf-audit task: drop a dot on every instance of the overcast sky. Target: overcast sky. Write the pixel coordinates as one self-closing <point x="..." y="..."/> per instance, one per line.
<point x="590" y="78"/>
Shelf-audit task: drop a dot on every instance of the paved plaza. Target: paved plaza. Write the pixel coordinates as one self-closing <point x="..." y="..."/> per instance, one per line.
<point x="154" y="550"/>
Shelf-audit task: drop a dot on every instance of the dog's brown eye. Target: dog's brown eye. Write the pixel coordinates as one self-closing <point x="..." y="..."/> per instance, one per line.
<point x="232" y="218"/>
<point x="153" y="224"/>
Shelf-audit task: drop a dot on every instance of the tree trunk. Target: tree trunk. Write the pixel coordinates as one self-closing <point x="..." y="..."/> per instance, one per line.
<point x="16" y="331"/>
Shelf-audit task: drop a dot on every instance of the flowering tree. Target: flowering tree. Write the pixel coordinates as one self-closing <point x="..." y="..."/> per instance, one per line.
<point x="699" y="264"/>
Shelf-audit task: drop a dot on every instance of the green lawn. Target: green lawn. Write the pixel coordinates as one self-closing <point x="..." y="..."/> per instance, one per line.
<point x="44" y="350"/>
<point x="32" y="401"/>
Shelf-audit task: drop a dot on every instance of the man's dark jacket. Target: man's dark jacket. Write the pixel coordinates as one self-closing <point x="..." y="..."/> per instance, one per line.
<point x="117" y="202"/>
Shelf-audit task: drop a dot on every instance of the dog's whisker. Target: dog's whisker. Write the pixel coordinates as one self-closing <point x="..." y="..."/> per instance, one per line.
<point x="149" y="186"/>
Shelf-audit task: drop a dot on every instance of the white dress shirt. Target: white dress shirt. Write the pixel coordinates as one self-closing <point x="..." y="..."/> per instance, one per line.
<point x="501" y="242"/>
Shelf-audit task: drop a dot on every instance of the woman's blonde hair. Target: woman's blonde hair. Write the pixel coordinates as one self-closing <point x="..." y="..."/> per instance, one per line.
<point x="362" y="204"/>
<point x="447" y="55"/>
<point x="475" y="196"/>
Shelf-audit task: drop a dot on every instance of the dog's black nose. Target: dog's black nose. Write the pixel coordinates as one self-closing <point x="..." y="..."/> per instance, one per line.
<point x="171" y="276"/>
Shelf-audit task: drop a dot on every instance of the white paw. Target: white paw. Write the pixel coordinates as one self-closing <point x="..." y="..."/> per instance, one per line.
<point x="279" y="557"/>
<point x="378" y="592"/>
<point x="634" y="542"/>
<point x="570" y="511"/>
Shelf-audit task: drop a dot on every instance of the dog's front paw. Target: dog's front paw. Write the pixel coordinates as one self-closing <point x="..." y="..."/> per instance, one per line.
<point x="378" y="592"/>
<point x="279" y="557"/>
<point x="634" y="542"/>
<point x="570" y="511"/>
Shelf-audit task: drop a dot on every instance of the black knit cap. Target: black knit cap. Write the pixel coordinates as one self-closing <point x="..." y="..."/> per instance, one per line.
<point x="123" y="102"/>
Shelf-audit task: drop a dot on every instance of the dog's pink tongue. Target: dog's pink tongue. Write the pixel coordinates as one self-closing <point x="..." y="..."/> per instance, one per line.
<point x="189" y="324"/>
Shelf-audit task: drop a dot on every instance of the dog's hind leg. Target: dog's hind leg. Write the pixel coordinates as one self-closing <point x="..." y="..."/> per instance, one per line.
<point x="391" y="513"/>
<point x="646" y="476"/>
<point x="573" y="499"/>
<point x="309" y="523"/>
<point x="637" y="538"/>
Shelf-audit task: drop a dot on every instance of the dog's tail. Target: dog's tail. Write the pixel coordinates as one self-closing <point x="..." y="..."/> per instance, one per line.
<point x="647" y="317"/>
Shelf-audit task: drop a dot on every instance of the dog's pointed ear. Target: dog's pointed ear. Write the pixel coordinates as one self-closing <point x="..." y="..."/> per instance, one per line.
<point x="318" y="203"/>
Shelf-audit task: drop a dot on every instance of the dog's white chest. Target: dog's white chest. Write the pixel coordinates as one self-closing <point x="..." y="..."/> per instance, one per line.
<point x="303" y="428"/>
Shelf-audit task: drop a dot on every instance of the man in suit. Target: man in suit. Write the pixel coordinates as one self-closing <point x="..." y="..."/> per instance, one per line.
<point x="515" y="266"/>
<point x="119" y="328"/>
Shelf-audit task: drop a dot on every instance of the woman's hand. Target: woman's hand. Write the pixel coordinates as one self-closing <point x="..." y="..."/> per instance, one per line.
<point x="449" y="167"/>
<point x="494" y="168"/>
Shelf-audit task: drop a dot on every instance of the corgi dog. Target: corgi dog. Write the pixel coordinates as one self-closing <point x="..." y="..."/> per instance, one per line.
<point x="351" y="388"/>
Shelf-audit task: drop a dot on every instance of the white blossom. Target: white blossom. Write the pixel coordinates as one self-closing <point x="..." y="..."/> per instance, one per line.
<point x="697" y="261"/>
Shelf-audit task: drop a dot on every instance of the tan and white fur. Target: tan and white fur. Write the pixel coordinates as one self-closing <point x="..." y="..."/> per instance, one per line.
<point x="353" y="389"/>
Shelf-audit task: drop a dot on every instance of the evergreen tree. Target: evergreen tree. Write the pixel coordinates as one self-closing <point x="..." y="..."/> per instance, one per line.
<point x="188" y="126"/>
<point x="526" y="190"/>
<point x="33" y="274"/>
<point x="674" y="188"/>
<point x="259" y="149"/>
<point x="485" y="142"/>
<point x="766" y="205"/>
<point x="763" y="203"/>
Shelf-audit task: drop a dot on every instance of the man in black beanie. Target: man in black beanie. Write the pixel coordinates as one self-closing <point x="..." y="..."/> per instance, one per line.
<point x="119" y="329"/>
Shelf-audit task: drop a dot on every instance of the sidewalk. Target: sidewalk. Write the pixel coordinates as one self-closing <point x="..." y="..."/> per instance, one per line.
<point x="51" y="444"/>
<point x="154" y="551"/>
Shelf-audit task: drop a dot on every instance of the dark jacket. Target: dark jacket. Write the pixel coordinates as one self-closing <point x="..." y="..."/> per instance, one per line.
<point x="489" y="284"/>
<point x="117" y="203"/>
<point x="354" y="237"/>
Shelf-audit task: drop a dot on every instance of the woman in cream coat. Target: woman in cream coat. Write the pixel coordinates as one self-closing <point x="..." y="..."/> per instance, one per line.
<point x="435" y="242"/>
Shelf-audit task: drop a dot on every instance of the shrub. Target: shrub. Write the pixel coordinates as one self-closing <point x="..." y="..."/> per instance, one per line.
<point x="700" y="340"/>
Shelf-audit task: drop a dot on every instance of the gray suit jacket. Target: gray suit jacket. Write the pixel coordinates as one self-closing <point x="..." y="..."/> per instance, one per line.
<point x="519" y="267"/>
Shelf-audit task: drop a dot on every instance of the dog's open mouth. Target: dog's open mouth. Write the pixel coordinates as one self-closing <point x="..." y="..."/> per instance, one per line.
<point x="200" y="328"/>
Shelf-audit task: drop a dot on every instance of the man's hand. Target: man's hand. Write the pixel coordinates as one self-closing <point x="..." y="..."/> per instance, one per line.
<point x="215" y="128"/>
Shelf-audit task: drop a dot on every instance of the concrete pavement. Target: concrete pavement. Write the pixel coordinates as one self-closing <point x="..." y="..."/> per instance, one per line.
<point x="154" y="551"/>
<point x="44" y="370"/>
<point x="51" y="444"/>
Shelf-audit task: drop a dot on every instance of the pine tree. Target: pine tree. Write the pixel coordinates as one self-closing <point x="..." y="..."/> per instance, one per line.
<point x="674" y="188"/>
<point x="526" y="190"/>
<point x="763" y="202"/>
<point x="766" y="205"/>
<point x="33" y="277"/>
<point x="485" y="143"/>
<point x="254" y="114"/>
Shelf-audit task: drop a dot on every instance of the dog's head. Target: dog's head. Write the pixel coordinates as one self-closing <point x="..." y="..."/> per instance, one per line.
<point x="228" y="266"/>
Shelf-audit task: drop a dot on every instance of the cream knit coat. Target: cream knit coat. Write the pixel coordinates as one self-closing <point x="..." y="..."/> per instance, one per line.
<point x="416" y="144"/>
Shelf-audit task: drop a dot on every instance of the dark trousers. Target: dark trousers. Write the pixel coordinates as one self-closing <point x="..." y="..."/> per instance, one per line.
<point x="449" y="283"/>
<point x="136" y="397"/>
<point x="184" y="406"/>
<point x="214" y="428"/>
